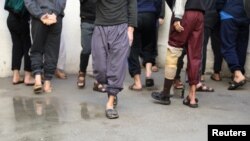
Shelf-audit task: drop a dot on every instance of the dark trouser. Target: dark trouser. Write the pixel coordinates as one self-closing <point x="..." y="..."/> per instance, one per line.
<point x="234" y="37"/>
<point x="20" y="35"/>
<point x="45" y="48"/>
<point x="86" y="36"/>
<point x="110" y="50"/>
<point x="214" y="33"/>
<point x="191" y="38"/>
<point x="180" y="64"/>
<point x="144" y="43"/>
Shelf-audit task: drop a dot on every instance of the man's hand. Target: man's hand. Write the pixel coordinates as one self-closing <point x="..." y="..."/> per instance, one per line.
<point x="161" y="21"/>
<point x="178" y="27"/>
<point x="52" y="18"/>
<point x="130" y="35"/>
<point x="49" y="19"/>
<point x="44" y="18"/>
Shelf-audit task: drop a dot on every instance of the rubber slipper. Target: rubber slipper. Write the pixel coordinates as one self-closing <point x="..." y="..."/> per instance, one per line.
<point x="213" y="78"/>
<point x="18" y="82"/>
<point x="186" y="102"/>
<point x="37" y="89"/>
<point x="234" y="85"/>
<point x="149" y="82"/>
<point x="132" y="87"/>
<point x="204" y="88"/>
<point x="111" y="113"/>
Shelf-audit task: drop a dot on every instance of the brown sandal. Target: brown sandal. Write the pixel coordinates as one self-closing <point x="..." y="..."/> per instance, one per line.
<point x="99" y="87"/>
<point x="204" y="88"/>
<point x="81" y="82"/>
<point x="37" y="88"/>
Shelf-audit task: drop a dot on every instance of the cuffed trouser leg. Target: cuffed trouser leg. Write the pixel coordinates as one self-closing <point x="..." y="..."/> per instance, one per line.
<point x="110" y="51"/>
<point x="45" y="48"/>
<point x="180" y="64"/>
<point x="173" y="54"/>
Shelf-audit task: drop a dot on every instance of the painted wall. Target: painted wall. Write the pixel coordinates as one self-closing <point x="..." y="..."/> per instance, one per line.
<point x="71" y="31"/>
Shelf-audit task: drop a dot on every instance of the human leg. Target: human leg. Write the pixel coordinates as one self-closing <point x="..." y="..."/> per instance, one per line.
<point x="26" y="45"/>
<point x="207" y="33"/>
<point x="39" y="35"/>
<point x="177" y="80"/>
<point x="229" y="30"/>
<point x="86" y="37"/>
<point x="134" y="62"/>
<point x="148" y="45"/>
<point x="51" y="52"/>
<point x="17" y="52"/>
<point x="116" y="65"/>
<point x="216" y="48"/>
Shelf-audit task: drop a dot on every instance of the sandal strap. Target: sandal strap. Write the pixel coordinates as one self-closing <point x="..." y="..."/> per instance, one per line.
<point x="81" y="74"/>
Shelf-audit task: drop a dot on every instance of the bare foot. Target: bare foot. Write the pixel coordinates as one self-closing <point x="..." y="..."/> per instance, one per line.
<point x="47" y="88"/>
<point x="60" y="74"/>
<point x="28" y="79"/>
<point x="16" y="77"/>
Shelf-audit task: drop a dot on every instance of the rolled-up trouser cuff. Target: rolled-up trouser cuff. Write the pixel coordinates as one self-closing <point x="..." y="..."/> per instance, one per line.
<point x="148" y="61"/>
<point x="113" y="91"/>
<point x="132" y="74"/>
<point x="195" y="82"/>
<point x="37" y="72"/>
<point x="48" y="76"/>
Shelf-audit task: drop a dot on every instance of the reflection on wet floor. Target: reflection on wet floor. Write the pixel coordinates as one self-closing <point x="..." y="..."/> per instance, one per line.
<point x="28" y="109"/>
<point x="52" y="109"/>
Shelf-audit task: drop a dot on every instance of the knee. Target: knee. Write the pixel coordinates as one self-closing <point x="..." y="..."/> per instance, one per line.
<point x="171" y="61"/>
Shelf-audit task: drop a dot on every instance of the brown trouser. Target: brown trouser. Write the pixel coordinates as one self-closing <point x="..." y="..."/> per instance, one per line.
<point x="191" y="38"/>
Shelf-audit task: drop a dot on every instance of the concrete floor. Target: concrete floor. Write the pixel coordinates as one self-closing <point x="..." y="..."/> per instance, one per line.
<point x="71" y="114"/>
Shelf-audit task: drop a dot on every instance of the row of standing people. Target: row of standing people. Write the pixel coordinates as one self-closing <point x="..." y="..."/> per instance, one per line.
<point x="112" y="30"/>
<point x="187" y="32"/>
<point x="110" y="48"/>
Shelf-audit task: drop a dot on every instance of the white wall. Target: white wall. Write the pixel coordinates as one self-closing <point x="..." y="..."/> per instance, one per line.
<point x="71" y="31"/>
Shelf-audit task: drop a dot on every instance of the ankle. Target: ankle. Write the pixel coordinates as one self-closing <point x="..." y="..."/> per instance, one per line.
<point x="38" y="79"/>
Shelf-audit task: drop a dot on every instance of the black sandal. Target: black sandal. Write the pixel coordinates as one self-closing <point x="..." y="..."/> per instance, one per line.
<point x="99" y="87"/>
<point x="186" y="102"/>
<point x="149" y="82"/>
<point x="111" y="113"/>
<point x="234" y="85"/>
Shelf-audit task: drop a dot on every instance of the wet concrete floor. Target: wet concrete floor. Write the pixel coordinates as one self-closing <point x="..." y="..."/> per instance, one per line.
<point x="72" y="114"/>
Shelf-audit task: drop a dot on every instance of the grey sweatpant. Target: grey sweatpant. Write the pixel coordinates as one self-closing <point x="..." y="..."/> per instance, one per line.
<point x="110" y="49"/>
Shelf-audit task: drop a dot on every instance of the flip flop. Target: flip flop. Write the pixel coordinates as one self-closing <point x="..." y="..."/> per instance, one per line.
<point x="186" y="102"/>
<point x="111" y="113"/>
<point x="149" y="82"/>
<point x="204" y="88"/>
<point x="234" y="85"/>
<point x="37" y="89"/>
<point x="18" y="82"/>
<point x="29" y="84"/>
<point x="131" y="87"/>
<point x="213" y="78"/>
